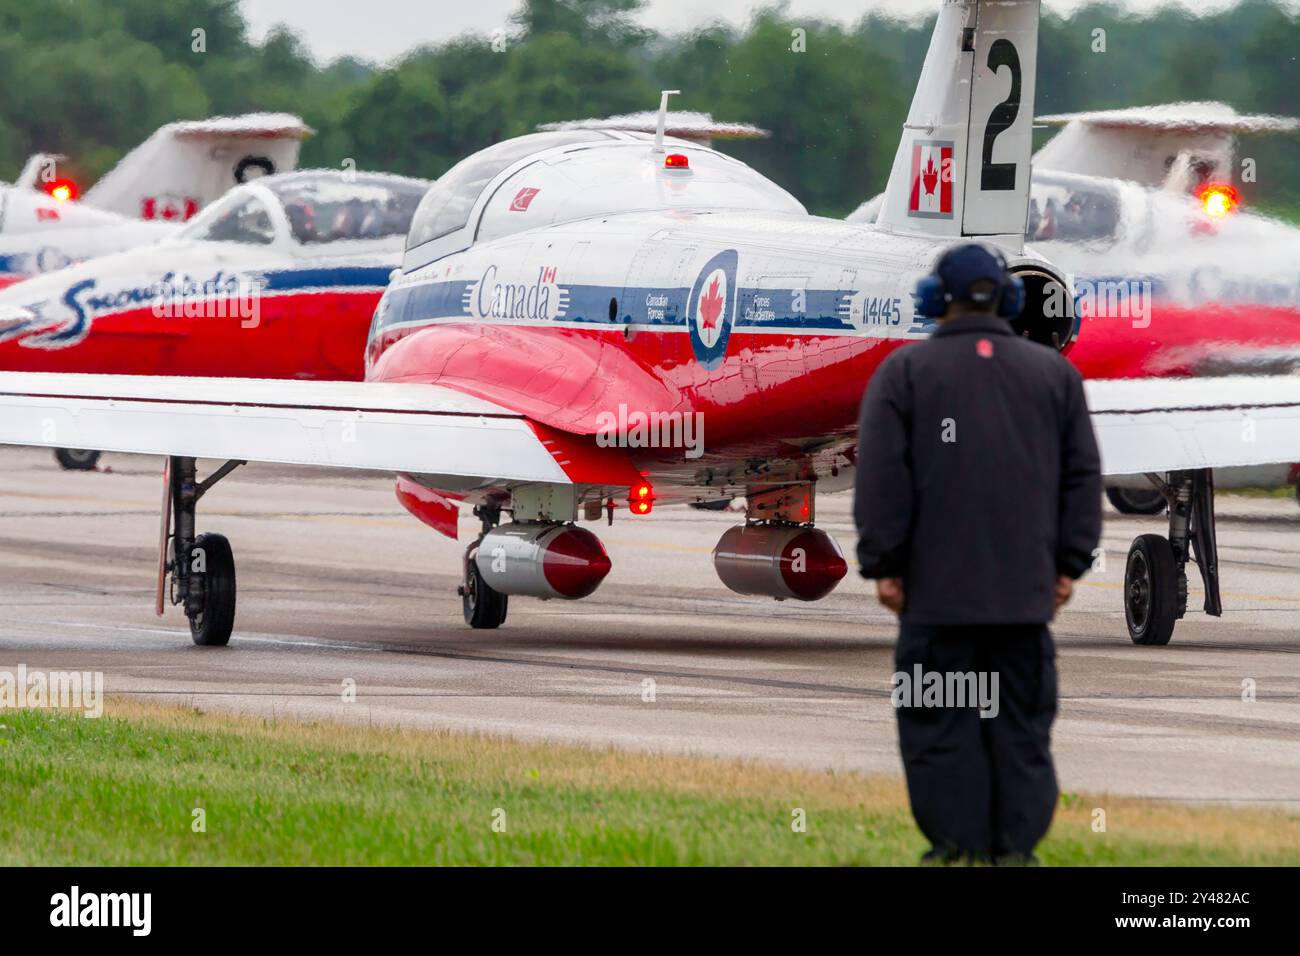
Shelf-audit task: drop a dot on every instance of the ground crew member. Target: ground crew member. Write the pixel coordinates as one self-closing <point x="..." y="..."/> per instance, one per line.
<point x="978" y="504"/>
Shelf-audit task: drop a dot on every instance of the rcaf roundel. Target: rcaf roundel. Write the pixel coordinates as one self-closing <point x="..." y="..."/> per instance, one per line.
<point x="932" y="176"/>
<point x="711" y="309"/>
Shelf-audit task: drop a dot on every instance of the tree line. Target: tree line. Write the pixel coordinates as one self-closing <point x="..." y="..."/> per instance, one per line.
<point x="92" y="78"/>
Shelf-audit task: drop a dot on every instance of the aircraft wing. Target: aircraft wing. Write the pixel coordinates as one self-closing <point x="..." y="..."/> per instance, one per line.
<point x="1173" y="424"/>
<point x="1178" y="116"/>
<point x="394" y="427"/>
<point x="249" y="126"/>
<point x="1142" y="425"/>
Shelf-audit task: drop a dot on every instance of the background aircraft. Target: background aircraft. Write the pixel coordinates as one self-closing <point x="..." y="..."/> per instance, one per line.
<point x="1173" y="276"/>
<point x="571" y="303"/>
<point x="45" y="224"/>
<point x="313" y="241"/>
<point x="278" y="279"/>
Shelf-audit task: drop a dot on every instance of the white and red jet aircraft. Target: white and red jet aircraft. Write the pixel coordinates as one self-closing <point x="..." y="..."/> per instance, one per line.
<point x="1173" y="276"/>
<point x="161" y="183"/>
<point x="277" y="279"/>
<point x="574" y="307"/>
<point x="1144" y="198"/>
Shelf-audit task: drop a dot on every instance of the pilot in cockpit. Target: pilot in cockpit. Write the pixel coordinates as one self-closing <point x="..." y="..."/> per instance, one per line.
<point x="348" y="220"/>
<point x="302" y="218"/>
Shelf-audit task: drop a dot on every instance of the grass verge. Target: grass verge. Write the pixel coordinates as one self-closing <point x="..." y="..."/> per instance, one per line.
<point x="123" y="789"/>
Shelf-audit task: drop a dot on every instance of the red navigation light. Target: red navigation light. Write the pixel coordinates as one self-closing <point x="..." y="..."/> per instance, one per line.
<point x="641" y="498"/>
<point x="61" y="190"/>
<point x="1218" y="199"/>
<point x="676" y="161"/>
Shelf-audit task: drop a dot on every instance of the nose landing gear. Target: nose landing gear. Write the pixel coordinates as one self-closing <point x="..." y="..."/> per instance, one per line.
<point x="1155" y="575"/>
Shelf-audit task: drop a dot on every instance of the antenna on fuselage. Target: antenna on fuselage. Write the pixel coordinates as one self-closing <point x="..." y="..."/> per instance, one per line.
<point x="663" y="118"/>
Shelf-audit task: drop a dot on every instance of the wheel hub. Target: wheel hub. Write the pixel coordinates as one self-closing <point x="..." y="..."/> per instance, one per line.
<point x="1139" y="592"/>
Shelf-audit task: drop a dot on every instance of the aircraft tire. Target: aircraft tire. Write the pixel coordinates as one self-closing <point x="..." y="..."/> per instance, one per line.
<point x="1151" y="590"/>
<point x="713" y="504"/>
<point x="76" y="459"/>
<point x="1131" y="501"/>
<point x="213" y="626"/>
<point x="484" y="607"/>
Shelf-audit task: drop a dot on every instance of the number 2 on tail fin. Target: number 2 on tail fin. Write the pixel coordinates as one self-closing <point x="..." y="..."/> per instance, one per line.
<point x="1001" y="176"/>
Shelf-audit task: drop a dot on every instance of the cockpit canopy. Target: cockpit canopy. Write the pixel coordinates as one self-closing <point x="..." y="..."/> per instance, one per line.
<point x="1069" y="208"/>
<point x="311" y="208"/>
<point x="447" y="206"/>
<point x="546" y="178"/>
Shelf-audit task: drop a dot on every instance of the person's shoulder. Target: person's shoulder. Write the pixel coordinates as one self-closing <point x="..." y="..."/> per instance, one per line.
<point x="891" y="377"/>
<point x="896" y="364"/>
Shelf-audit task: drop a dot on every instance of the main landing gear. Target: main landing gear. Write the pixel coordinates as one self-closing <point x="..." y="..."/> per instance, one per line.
<point x="76" y="459"/>
<point x="1136" y="501"/>
<point x="484" y="607"/>
<point x="1155" y="576"/>
<point x="540" y="553"/>
<point x="199" y="568"/>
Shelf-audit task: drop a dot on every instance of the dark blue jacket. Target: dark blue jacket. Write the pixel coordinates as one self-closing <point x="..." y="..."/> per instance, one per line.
<point x="978" y="477"/>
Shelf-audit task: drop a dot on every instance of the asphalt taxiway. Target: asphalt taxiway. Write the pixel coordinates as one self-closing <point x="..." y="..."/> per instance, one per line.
<point x="337" y="583"/>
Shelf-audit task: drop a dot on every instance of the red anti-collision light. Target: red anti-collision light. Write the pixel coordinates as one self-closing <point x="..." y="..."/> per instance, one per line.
<point x="1218" y="199"/>
<point x="61" y="190"/>
<point x="640" y="498"/>
<point x="676" y="161"/>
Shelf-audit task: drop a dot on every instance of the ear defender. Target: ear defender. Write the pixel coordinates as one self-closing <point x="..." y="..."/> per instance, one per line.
<point x="1012" y="300"/>
<point x="931" y="300"/>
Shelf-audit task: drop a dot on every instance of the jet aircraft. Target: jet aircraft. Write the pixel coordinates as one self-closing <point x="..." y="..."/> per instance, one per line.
<point x="584" y="318"/>
<point x="46" y="225"/>
<point x="277" y="279"/>
<point x="1173" y="275"/>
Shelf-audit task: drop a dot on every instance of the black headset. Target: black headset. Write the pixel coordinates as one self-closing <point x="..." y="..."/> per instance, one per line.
<point x="933" y="298"/>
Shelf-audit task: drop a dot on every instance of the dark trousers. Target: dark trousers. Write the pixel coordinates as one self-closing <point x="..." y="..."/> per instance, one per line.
<point x="981" y="786"/>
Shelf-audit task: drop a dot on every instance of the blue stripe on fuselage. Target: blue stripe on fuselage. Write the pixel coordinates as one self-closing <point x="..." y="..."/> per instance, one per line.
<point x="293" y="280"/>
<point x="653" y="306"/>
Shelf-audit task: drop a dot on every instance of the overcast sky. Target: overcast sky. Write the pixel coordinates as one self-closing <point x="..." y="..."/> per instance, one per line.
<point x="379" y="30"/>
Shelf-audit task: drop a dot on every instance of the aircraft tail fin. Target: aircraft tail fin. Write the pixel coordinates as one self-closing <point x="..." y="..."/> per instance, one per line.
<point x="186" y="165"/>
<point x="39" y="170"/>
<point x="962" y="167"/>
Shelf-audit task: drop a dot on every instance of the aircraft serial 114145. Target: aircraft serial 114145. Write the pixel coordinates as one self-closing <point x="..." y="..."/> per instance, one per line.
<point x="566" y="295"/>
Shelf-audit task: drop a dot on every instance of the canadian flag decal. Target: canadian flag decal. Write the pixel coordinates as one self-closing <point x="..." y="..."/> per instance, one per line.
<point x="932" y="175"/>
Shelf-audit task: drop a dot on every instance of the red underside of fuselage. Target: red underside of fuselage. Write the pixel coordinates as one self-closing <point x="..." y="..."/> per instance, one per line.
<point x="774" y="395"/>
<point x="1186" y="341"/>
<point x="771" y="394"/>
<point x="791" y="386"/>
<point x="316" y="336"/>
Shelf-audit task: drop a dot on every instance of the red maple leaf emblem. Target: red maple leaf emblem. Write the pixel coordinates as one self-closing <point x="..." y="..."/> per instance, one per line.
<point x="710" y="305"/>
<point x="931" y="175"/>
